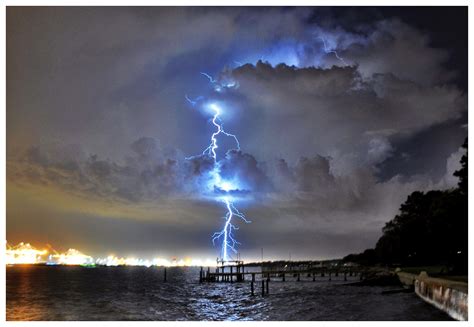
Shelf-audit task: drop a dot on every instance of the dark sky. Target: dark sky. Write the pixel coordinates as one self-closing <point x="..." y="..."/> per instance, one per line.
<point x="341" y="112"/>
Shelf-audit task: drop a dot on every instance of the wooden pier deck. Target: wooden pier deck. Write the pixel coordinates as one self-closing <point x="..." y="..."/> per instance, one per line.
<point x="238" y="272"/>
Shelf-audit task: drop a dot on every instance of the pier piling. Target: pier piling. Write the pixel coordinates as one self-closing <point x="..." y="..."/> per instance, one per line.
<point x="252" y="283"/>
<point x="164" y="277"/>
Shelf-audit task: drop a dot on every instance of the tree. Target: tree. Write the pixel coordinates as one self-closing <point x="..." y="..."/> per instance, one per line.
<point x="430" y="228"/>
<point x="462" y="173"/>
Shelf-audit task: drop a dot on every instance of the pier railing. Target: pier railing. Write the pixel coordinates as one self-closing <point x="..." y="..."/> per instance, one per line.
<point x="236" y="273"/>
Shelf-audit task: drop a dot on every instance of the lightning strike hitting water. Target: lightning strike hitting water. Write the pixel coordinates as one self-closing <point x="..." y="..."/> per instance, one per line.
<point x="229" y="243"/>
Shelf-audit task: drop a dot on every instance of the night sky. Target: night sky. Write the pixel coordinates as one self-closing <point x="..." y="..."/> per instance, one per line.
<point x="98" y="126"/>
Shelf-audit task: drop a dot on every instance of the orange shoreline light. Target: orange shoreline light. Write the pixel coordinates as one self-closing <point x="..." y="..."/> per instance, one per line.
<point x="25" y="253"/>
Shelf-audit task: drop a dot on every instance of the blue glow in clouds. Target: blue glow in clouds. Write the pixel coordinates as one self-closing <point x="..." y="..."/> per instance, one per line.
<point x="221" y="188"/>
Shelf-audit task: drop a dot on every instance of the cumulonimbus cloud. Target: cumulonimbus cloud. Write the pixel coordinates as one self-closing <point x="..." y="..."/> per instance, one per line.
<point x="314" y="129"/>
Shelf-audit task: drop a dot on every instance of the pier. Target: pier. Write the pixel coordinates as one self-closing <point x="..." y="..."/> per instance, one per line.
<point x="236" y="272"/>
<point x="228" y="271"/>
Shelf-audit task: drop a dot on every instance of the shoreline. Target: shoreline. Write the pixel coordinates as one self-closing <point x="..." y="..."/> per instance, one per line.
<point x="447" y="295"/>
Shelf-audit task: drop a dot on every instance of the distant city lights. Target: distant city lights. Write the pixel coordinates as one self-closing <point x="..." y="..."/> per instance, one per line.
<point x="25" y="253"/>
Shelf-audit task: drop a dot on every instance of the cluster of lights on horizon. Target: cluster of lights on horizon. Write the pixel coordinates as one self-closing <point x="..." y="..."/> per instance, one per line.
<point x="25" y="253"/>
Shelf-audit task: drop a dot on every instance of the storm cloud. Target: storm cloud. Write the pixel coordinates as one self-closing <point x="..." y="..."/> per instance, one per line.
<point x="329" y="120"/>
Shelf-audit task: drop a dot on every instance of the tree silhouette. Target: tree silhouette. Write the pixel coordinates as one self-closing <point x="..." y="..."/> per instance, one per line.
<point x="462" y="173"/>
<point x="430" y="228"/>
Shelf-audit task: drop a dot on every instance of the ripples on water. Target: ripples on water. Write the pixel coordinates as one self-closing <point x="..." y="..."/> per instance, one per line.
<point x="139" y="293"/>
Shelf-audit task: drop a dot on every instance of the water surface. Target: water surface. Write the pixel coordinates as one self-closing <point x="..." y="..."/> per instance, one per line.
<point x="139" y="293"/>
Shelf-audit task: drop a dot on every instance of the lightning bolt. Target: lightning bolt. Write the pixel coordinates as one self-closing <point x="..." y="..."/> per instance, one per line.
<point x="229" y="243"/>
<point x="327" y="50"/>
<point x="212" y="80"/>
<point x="216" y="121"/>
<point x="193" y="102"/>
<point x="228" y="240"/>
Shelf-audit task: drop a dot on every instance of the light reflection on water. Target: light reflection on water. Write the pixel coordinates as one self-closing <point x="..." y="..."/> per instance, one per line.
<point x="139" y="293"/>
